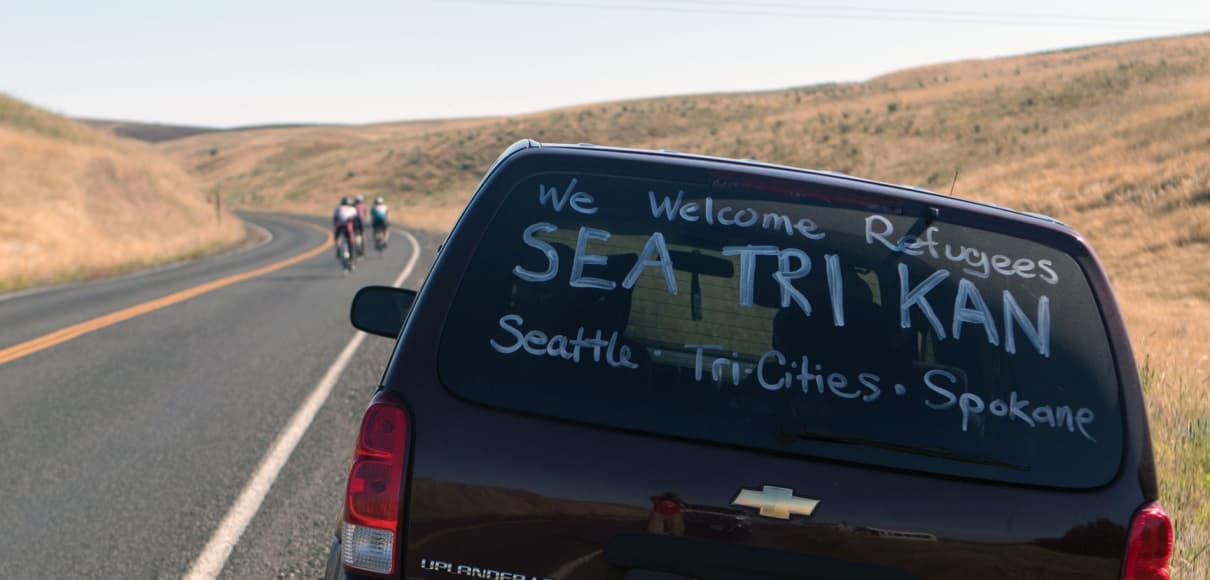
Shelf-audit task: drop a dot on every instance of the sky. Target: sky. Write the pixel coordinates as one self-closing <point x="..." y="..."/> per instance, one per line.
<point x="229" y="63"/>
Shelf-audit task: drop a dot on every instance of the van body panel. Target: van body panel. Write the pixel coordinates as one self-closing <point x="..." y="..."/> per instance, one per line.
<point x="502" y="493"/>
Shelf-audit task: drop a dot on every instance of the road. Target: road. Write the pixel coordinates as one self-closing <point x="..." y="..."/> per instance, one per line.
<point x="122" y="449"/>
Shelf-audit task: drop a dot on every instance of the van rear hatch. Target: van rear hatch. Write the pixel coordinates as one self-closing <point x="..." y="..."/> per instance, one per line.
<point x="656" y="366"/>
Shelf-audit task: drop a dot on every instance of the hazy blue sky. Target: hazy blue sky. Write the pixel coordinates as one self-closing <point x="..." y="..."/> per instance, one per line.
<point x="235" y="62"/>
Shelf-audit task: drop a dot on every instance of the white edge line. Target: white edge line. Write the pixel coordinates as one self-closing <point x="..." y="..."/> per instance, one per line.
<point x="569" y="567"/>
<point x="407" y="270"/>
<point x="213" y="558"/>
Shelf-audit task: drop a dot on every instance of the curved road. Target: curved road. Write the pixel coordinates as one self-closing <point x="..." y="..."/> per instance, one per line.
<point x="122" y="449"/>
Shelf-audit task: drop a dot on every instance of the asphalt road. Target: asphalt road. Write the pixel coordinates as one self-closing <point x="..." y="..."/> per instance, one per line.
<point x="121" y="450"/>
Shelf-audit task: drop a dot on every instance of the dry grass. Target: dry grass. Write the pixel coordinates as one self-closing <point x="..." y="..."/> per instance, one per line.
<point x="1114" y="140"/>
<point x="75" y="203"/>
<point x="309" y="168"/>
<point x="1173" y="341"/>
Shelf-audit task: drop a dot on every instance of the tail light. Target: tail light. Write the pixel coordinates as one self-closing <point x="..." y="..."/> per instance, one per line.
<point x="372" y="502"/>
<point x="1150" y="545"/>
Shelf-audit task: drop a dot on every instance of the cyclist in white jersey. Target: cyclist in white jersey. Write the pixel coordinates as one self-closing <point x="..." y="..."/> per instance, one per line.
<point x="343" y="220"/>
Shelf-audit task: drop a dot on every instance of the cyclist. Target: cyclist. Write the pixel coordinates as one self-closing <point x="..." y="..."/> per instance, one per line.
<point x="344" y="216"/>
<point x="359" y="204"/>
<point x="378" y="221"/>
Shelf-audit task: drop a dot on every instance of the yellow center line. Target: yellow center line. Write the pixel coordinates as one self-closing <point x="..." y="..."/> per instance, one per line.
<point x="77" y="330"/>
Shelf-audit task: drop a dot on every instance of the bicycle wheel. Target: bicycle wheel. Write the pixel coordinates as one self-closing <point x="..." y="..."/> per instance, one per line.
<point x="345" y="253"/>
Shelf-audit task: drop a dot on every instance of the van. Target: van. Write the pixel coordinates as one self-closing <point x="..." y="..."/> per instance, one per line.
<point x="646" y="364"/>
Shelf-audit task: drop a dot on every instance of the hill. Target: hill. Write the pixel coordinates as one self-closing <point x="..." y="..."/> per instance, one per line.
<point x="159" y="132"/>
<point x="1114" y="140"/>
<point x="76" y="203"/>
<point x="146" y="132"/>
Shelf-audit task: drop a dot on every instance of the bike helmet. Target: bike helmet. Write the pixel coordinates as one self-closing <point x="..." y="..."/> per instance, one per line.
<point x="378" y="200"/>
<point x="346" y="201"/>
<point x="361" y="198"/>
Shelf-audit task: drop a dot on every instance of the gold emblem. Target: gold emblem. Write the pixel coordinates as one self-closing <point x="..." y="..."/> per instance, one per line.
<point x="775" y="502"/>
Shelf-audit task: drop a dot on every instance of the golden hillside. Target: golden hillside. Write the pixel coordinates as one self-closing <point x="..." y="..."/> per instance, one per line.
<point x="77" y="203"/>
<point x="1114" y="140"/>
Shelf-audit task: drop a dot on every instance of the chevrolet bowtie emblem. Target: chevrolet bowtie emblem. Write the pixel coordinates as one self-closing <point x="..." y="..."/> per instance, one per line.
<point x="775" y="502"/>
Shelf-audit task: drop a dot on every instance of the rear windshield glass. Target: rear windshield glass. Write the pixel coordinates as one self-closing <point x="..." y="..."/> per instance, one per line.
<point x="775" y="321"/>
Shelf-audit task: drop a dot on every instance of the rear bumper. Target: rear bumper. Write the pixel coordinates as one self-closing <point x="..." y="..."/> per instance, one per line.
<point x="333" y="570"/>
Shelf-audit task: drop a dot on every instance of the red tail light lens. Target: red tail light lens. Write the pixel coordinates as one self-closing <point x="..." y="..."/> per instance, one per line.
<point x="1150" y="545"/>
<point x="375" y="489"/>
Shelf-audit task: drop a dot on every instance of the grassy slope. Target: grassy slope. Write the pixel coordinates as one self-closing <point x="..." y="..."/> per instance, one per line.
<point x="77" y="203"/>
<point x="147" y="132"/>
<point x="1114" y="140"/>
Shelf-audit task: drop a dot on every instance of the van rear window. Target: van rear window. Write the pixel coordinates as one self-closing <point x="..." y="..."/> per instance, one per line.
<point x="789" y="323"/>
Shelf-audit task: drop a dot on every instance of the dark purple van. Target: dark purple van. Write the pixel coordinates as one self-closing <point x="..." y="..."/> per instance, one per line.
<point x="641" y="364"/>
